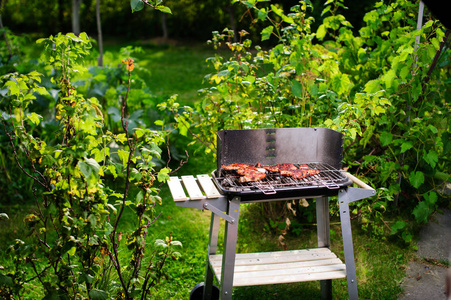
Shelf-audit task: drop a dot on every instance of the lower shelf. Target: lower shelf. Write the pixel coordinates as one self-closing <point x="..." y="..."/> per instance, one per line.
<point x="282" y="267"/>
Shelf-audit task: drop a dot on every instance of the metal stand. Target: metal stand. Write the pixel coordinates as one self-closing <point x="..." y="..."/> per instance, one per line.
<point x="228" y="209"/>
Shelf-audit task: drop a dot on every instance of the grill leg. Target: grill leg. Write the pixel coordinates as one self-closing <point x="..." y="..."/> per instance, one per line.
<point x="212" y="247"/>
<point x="323" y="232"/>
<point x="228" y="258"/>
<point x="346" y="196"/>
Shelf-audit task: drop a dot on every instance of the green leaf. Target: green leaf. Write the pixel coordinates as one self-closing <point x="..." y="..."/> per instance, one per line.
<point x="159" y="122"/>
<point x="422" y="212"/>
<point x="93" y="164"/>
<point x="123" y="155"/>
<point x="353" y="133"/>
<point x="389" y="77"/>
<point x="13" y="87"/>
<point x="6" y="280"/>
<point x="431" y="198"/>
<point x="223" y="73"/>
<point x="100" y="154"/>
<point x="182" y="125"/>
<point x="85" y="169"/>
<point x="276" y="10"/>
<point x="404" y="72"/>
<point x="92" y="219"/>
<point x="407" y="237"/>
<point x="266" y="33"/>
<point x="71" y="251"/>
<point x="136" y="5"/>
<point x="262" y="14"/>
<point x="321" y="32"/>
<point x="164" y="9"/>
<point x="296" y="88"/>
<point x="431" y="158"/>
<point x="372" y="86"/>
<point x="163" y="175"/>
<point x="280" y="13"/>
<point x="112" y="170"/>
<point x="97" y="294"/>
<point x="386" y="138"/>
<point x="379" y="110"/>
<point x="406" y="146"/>
<point x="139" y="132"/>
<point x="433" y="129"/>
<point x="160" y="243"/>
<point x="85" y="278"/>
<point x="416" y="179"/>
<point x="176" y="243"/>
<point x="399" y="225"/>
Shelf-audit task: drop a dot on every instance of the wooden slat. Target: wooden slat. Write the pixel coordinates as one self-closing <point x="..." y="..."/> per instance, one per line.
<point x="193" y="189"/>
<point x="277" y="257"/>
<point x="282" y="266"/>
<point x="292" y="265"/>
<point x="248" y="281"/>
<point x="178" y="194"/>
<point x="208" y="186"/>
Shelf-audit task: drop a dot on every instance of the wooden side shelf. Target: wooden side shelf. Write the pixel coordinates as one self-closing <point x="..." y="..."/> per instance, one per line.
<point x="197" y="188"/>
<point x="282" y="267"/>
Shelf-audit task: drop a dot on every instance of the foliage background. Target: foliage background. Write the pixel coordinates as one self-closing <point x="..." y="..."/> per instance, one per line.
<point x="190" y="19"/>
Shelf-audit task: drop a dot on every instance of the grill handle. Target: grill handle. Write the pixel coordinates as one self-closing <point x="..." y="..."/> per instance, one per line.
<point x="357" y="181"/>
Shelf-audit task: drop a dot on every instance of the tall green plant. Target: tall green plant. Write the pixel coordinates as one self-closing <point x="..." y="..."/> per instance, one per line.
<point x="388" y="98"/>
<point x="79" y="247"/>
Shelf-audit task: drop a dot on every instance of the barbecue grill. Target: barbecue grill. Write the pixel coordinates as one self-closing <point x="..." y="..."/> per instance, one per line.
<point x="318" y="149"/>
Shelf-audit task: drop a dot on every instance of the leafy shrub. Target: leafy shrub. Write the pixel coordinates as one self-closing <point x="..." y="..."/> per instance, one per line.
<point x="387" y="96"/>
<point x="85" y="179"/>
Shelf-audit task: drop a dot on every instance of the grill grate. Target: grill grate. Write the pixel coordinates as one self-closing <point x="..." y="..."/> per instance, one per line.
<point x="328" y="177"/>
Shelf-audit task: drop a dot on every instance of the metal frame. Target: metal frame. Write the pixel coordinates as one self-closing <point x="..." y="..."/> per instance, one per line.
<point x="345" y="197"/>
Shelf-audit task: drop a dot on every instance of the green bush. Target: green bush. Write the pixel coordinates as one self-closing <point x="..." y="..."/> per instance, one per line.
<point x="85" y="179"/>
<point x="385" y="94"/>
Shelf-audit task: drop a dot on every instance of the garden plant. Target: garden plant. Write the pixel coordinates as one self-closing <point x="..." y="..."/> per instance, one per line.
<point x="84" y="177"/>
<point x="386" y="93"/>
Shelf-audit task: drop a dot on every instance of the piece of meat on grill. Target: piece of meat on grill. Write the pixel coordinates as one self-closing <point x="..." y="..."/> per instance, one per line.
<point x="280" y="167"/>
<point x="251" y="175"/>
<point x="299" y="173"/>
<point x="236" y="166"/>
<point x="248" y="172"/>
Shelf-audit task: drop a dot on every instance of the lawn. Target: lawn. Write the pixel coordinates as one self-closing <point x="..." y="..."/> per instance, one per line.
<point x="167" y="69"/>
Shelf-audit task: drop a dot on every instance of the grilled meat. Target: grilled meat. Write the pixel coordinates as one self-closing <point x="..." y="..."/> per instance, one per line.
<point x="280" y="167"/>
<point x="236" y="166"/>
<point x="248" y="172"/>
<point x="250" y="175"/>
<point x="299" y="173"/>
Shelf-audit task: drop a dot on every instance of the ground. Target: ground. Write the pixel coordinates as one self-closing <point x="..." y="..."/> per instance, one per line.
<point x="426" y="276"/>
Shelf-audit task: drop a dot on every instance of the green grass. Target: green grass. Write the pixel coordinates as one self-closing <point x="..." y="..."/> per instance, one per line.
<point x="168" y="69"/>
<point x="176" y="71"/>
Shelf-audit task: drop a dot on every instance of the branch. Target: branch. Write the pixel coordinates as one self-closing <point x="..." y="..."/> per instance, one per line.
<point x="11" y="141"/>
<point x="131" y="146"/>
<point x="433" y="64"/>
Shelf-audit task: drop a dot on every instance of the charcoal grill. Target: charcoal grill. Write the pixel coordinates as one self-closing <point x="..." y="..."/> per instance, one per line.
<point x="222" y="193"/>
